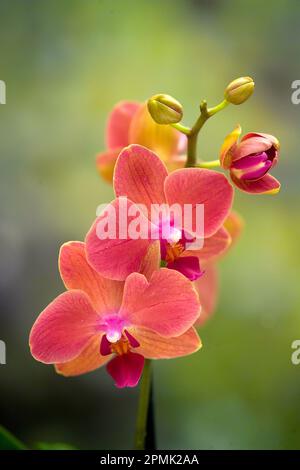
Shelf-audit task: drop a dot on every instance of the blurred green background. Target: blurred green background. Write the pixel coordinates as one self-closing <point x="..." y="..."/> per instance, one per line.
<point x="65" y="65"/>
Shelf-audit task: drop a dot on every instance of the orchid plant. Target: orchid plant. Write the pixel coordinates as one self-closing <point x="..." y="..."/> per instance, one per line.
<point x="137" y="295"/>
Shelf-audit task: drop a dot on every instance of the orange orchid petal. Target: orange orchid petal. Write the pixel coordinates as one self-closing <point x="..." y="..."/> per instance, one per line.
<point x="201" y="186"/>
<point x="76" y="273"/>
<point x="105" y="163"/>
<point x="114" y="257"/>
<point x="167" y="304"/>
<point x="154" y="346"/>
<point x="89" y="360"/>
<point x="64" y="328"/>
<point x="228" y="144"/>
<point x="234" y="224"/>
<point x="162" y="139"/>
<point x="271" y="138"/>
<point x="213" y="246"/>
<point x="119" y="120"/>
<point x="252" y="143"/>
<point x="207" y="287"/>
<point x="140" y="176"/>
<point x="151" y="261"/>
<point x="265" y="185"/>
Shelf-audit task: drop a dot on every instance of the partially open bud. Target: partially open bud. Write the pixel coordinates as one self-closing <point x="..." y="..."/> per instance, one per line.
<point x="164" y="109"/>
<point x="250" y="160"/>
<point x="239" y="90"/>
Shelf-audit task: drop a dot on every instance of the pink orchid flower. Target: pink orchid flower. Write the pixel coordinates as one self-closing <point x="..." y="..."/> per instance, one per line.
<point x="250" y="160"/>
<point x="130" y="123"/>
<point x="99" y="321"/>
<point x="143" y="178"/>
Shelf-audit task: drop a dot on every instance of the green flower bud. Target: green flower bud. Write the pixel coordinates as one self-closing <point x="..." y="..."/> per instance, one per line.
<point x="164" y="109"/>
<point x="239" y="90"/>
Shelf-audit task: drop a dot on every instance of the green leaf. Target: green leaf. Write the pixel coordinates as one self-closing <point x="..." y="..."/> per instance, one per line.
<point x="54" y="446"/>
<point x="10" y="442"/>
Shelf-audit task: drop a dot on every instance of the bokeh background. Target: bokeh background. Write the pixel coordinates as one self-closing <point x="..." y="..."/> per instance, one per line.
<point x="65" y="65"/>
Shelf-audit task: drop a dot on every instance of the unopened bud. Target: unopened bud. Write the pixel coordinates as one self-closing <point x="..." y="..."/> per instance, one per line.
<point x="239" y="90"/>
<point x="164" y="109"/>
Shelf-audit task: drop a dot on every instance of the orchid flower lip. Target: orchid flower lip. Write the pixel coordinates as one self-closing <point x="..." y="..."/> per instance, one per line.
<point x="189" y="266"/>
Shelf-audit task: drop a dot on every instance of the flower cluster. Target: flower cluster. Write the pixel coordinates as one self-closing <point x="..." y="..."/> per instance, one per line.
<point x="131" y="298"/>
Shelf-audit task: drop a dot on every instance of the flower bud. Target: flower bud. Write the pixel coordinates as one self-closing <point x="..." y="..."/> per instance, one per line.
<point x="164" y="109"/>
<point x="250" y="160"/>
<point x="239" y="90"/>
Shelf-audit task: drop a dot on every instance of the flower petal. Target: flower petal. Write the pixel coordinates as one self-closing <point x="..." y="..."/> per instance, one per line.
<point x="154" y="346"/>
<point x="229" y="144"/>
<point x="64" y="328"/>
<point x="213" y="246"/>
<point x="140" y="175"/>
<point x="126" y="370"/>
<point x="105" y="163"/>
<point x="200" y="186"/>
<point x="151" y="261"/>
<point x="162" y="139"/>
<point x="88" y="360"/>
<point x="119" y="120"/>
<point x="105" y="346"/>
<point x="189" y="266"/>
<point x="207" y="287"/>
<point x="76" y="273"/>
<point x="273" y="140"/>
<point x="234" y="224"/>
<point x="116" y="257"/>
<point x="168" y="304"/>
<point x="265" y="185"/>
<point x="248" y="146"/>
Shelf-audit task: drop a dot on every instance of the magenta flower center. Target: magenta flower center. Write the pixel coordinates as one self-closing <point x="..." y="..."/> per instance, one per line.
<point x="172" y="253"/>
<point x="113" y="326"/>
<point x="116" y="338"/>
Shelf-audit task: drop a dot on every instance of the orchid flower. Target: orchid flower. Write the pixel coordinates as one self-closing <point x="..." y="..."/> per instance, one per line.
<point x="250" y="160"/>
<point x="130" y="123"/>
<point x="143" y="178"/>
<point x="100" y="321"/>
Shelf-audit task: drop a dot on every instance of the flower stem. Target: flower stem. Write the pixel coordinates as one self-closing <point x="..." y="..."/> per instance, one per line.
<point x="142" y="414"/>
<point x="183" y="129"/>
<point x="219" y="107"/>
<point x="150" y="443"/>
<point x="211" y="164"/>
<point x="205" y="114"/>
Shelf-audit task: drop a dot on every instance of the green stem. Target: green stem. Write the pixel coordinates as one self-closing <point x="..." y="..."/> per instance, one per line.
<point x="211" y="164"/>
<point x="141" y="422"/>
<point x="205" y="114"/>
<point x="183" y="129"/>
<point x="219" y="107"/>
